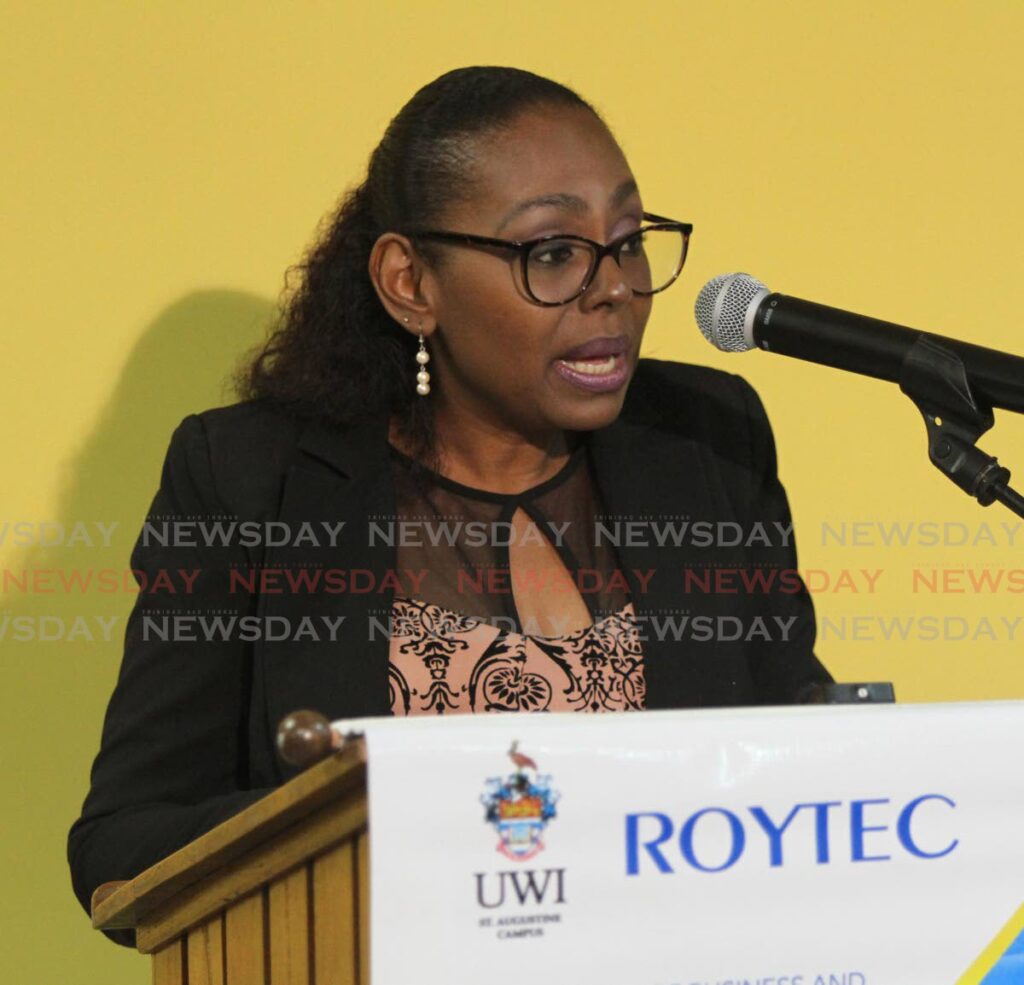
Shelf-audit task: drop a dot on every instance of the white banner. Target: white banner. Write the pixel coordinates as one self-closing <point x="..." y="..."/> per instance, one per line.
<point x="835" y="845"/>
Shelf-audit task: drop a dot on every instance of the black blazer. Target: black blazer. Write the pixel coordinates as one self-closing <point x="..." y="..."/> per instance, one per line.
<point x="188" y="737"/>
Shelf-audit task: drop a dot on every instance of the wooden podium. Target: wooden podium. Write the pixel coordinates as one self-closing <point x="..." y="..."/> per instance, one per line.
<point x="276" y="894"/>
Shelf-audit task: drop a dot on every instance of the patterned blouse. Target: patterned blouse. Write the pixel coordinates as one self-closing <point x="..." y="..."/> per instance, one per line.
<point x="460" y="646"/>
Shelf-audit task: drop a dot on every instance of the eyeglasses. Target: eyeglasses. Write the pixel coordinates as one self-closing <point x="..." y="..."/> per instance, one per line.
<point x="558" y="268"/>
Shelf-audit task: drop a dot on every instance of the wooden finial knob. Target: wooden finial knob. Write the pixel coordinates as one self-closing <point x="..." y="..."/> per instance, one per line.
<point x="304" y="738"/>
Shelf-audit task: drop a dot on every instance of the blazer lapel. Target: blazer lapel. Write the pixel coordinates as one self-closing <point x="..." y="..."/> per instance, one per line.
<point x="332" y="653"/>
<point x="659" y="481"/>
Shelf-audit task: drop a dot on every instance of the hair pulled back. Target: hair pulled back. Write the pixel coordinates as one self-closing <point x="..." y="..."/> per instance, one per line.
<point x="335" y="354"/>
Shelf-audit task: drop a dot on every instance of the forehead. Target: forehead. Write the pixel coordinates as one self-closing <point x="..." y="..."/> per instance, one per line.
<point x="547" y="152"/>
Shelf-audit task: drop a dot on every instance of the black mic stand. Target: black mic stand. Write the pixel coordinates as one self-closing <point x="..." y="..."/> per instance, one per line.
<point x="936" y="381"/>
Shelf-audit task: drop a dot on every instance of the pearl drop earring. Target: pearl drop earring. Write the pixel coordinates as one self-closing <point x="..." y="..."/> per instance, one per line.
<point x="422" y="377"/>
<point x="422" y="358"/>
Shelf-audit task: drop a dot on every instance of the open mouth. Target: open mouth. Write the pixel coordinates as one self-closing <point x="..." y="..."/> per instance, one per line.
<point x="597" y="366"/>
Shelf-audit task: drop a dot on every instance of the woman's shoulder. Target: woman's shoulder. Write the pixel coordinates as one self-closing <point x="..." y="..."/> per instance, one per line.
<point x="237" y="455"/>
<point x="252" y="433"/>
<point x="724" y="418"/>
<point x="247" y="428"/>
<point x="699" y="402"/>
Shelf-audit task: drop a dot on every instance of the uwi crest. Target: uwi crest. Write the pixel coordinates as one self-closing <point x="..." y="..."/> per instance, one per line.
<point x="520" y="805"/>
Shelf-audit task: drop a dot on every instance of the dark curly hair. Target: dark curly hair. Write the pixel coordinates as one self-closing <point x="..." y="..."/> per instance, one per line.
<point x="334" y="353"/>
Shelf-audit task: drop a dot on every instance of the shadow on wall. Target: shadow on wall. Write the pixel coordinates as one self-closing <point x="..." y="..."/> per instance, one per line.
<point x="182" y="364"/>
<point x="61" y="644"/>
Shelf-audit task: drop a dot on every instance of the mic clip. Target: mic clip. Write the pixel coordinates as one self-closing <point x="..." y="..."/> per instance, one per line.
<point x="936" y="381"/>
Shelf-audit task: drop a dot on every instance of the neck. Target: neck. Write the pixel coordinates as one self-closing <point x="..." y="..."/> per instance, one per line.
<point x="499" y="459"/>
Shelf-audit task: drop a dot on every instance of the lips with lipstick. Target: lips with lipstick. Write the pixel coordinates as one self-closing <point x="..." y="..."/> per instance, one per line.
<point x="599" y="365"/>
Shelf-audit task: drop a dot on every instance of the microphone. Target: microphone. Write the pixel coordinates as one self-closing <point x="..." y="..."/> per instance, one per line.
<point x="736" y="312"/>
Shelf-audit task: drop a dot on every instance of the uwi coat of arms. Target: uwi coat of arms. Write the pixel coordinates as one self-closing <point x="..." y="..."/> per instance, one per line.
<point x="519" y="805"/>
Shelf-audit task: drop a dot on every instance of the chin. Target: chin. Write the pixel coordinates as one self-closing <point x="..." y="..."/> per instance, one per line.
<point x="593" y="413"/>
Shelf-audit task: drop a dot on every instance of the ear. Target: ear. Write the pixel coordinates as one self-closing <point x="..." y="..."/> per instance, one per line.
<point x="404" y="283"/>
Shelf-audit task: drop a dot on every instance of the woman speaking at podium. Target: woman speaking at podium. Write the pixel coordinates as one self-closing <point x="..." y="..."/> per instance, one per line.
<point x="482" y="499"/>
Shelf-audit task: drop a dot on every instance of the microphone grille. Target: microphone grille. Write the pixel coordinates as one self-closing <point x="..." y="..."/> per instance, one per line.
<point x="723" y="307"/>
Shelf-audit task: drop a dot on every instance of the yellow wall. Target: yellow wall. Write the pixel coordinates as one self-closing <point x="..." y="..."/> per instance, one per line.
<point x="164" y="163"/>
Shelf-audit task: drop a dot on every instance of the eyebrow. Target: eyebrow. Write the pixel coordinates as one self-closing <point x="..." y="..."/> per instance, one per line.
<point x="571" y="203"/>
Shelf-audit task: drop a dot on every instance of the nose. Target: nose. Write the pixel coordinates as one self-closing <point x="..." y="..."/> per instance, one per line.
<point x="608" y="285"/>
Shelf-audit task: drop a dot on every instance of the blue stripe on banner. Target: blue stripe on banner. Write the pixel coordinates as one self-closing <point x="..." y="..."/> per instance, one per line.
<point x="1009" y="969"/>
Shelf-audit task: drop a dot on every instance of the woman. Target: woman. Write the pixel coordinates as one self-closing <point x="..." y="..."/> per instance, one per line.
<point x="434" y="379"/>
